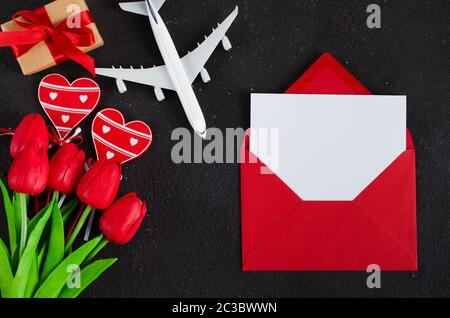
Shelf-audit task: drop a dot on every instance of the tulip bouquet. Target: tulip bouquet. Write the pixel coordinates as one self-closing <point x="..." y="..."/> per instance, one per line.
<point x="43" y="259"/>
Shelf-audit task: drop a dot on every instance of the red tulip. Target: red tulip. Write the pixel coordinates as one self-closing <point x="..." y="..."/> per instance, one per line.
<point x="31" y="130"/>
<point x="99" y="186"/>
<point x="66" y="169"/>
<point x="122" y="219"/>
<point x="29" y="172"/>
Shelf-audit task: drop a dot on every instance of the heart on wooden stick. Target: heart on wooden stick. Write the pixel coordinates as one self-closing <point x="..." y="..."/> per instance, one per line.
<point x="119" y="141"/>
<point x="67" y="104"/>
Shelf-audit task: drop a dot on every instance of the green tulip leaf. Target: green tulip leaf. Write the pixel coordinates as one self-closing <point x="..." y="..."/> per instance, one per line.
<point x="87" y="276"/>
<point x="36" y="218"/>
<point x="26" y="261"/>
<point x="55" y="252"/>
<point x="6" y="276"/>
<point x="17" y="218"/>
<point x="41" y="256"/>
<point x="20" y="204"/>
<point x="57" y="279"/>
<point x="33" y="278"/>
<point x="68" y="209"/>
<point x="9" y="215"/>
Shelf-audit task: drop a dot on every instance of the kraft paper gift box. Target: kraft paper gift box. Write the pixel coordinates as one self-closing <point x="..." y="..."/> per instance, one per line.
<point x="37" y="57"/>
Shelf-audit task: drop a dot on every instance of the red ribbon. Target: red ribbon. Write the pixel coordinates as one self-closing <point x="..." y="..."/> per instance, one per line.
<point x="61" y="40"/>
<point x="6" y="131"/>
<point x="55" y="139"/>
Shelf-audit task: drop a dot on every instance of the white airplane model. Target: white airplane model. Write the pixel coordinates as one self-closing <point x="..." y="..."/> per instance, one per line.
<point x="179" y="73"/>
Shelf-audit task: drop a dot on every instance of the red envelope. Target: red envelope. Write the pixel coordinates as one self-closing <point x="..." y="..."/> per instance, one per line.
<point x="281" y="232"/>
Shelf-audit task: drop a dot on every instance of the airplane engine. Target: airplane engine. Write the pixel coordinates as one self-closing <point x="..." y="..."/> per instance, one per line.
<point x="205" y="75"/>
<point x="121" y="86"/>
<point x="226" y="43"/>
<point x="159" y="94"/>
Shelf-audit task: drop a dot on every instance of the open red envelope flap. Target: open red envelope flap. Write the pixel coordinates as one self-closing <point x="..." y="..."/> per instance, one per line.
<point x="327" y="76"/>
<point x="282" y="232"/>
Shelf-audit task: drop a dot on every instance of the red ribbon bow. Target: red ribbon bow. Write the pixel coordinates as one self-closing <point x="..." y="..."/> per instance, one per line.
<point x="55" y="139"/>
<point x="63" y="41"/>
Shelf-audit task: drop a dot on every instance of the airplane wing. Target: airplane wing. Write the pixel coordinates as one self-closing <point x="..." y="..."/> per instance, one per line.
<point x="195" y="61"/>
<point x="139" y="7"/>
<point x="156" y="76"/>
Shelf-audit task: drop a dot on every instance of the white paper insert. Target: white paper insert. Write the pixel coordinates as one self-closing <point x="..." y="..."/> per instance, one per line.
<point x="330" y="147"/>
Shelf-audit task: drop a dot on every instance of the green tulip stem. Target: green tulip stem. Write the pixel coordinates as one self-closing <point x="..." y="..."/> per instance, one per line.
<point x="24" y="217"/>
<point x="77" y="228"/>
<point x="96" y="250"/>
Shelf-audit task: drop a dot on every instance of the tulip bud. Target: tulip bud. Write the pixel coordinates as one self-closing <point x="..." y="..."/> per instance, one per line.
<point x="29" y="172"/>
<point x="66" y="169"/>
<point x="99" y="186"/>
<point x="31" y="130"/>
<point x="121" y="220"/>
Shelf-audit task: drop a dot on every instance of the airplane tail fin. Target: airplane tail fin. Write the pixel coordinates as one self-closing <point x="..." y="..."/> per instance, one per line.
<point x="139" y="6"/>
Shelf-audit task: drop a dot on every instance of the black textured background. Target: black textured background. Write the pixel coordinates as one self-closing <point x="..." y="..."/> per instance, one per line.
<point x="189" y="244"/>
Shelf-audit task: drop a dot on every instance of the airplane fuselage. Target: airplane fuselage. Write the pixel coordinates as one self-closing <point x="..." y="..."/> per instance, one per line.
<point x="177" y="73"/>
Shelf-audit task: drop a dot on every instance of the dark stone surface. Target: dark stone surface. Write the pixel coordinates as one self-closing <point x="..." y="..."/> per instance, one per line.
<point x="189" y="245"/>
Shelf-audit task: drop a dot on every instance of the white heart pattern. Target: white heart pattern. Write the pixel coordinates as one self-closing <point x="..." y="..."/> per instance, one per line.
<point x="53" y="95"/>
<point x="65" y="118"/>
<point x="106" y="129"/>
<point x="83" y="98"/>
<point x="133" y="141"/>
<point x="110" y="155"/>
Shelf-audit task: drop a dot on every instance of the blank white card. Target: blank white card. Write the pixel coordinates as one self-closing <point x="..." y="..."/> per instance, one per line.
<point x="327" y="147"/>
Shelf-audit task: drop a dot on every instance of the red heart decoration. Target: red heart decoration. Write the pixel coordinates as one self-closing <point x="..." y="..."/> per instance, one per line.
<point x="67" y="104"/>
<point x="119" y="141"/>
